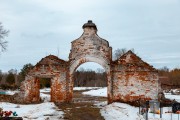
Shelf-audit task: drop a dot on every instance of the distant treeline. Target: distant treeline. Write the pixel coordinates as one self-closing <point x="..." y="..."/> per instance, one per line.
<point x="172" y="76"/>
<point x="90" y="78"/>
<point x="12" y="79"/>
<point x="82" y="77"/>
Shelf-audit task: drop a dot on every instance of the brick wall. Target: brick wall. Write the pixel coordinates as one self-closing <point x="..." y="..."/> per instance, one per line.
<point x="128" y="78"/>
<point x="49" y="67"/>
<point x="133" y="79"/>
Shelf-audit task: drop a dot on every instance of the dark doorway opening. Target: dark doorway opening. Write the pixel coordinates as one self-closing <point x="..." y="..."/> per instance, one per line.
<point x="45" y="83"/>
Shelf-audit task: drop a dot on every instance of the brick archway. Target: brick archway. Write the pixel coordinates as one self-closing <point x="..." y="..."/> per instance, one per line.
<point x="89" y="47"/>
<point x="128" y="79"/>
<point x="79" y="62"/>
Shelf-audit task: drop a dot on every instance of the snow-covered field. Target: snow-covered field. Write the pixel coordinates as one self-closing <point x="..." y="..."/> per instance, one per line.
<point x="43" y="111"/>
<point x="44" y="94"/>
<point x="98" y="92"/>
<point x="114" y="111"/>
<point x="121" y="111"/>
<point x="35" y="111"/>
<point x="45" y="90"/>
<point x="85" y="88"/>
<point x="10" y="92"/>
<point x="172" y="97"/>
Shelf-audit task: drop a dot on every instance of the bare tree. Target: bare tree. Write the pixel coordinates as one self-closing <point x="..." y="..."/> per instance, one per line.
<point x="1" y="75"/>
<point x="119" y="52"/>
<point x="3" y="33"/>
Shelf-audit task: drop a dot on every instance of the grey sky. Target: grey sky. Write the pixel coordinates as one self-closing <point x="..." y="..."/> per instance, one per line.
<point x="41" y="27"/>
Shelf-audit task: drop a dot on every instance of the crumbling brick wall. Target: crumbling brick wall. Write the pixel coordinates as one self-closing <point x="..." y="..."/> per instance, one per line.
<point x="89" y="47"/>
<point x="49" y="67"/>
<point x="30" y="89"/>
<point x="133" y="79"/>
<point x="128" y="78"/>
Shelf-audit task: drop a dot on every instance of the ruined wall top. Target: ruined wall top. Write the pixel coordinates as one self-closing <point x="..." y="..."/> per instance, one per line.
<point x="48" y="66"/>
<point x="89" y="24"/>
<point x="89" y="47"/>
<point x="50" y="60"/>
<point x="131" y="62"/>
<point x="90" y="27"/>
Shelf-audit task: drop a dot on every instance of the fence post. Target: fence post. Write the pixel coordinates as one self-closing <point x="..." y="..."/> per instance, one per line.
<point x="147" y="110"/>
<point x="139" y="106"/>
<point x="160" y="110"/>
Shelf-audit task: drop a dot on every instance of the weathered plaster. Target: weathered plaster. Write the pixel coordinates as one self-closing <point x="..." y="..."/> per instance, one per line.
<point x="89" y="47"/>
<point x="133" y="79"/>
<point x="49" y="67"/>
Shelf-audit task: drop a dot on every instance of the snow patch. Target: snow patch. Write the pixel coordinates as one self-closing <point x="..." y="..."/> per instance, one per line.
<point x="45" y="90"/>
<point x="10" y="92"/>
<point x="120" y="111"/>
<point x="102" y="92"/>
<point x="45" y="97"/>
<point x="34" y="111"/>
<point x="85" y="88"/>
<point x="172" y="97"/>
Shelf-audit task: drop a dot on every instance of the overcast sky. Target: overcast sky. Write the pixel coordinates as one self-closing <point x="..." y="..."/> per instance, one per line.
<point x="42" y="27"/>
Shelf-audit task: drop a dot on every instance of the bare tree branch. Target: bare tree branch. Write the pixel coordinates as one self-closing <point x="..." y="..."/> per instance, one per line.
<point x="3" y="33"/>
<point x="119" y="52"/>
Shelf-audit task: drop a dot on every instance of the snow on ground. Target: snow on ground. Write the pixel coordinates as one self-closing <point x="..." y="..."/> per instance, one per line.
<point x="114" y="111"/>
<point x="34" y="111"/>
<point x="85" y="88"/>
<point x="99" y="92"/>
<point x="45" y="94"/>
<point x="10" y="92"/>
<point x="121" y="111"/>
<point x="172" y="97"/>
<point x="45" y="97"/>
<point x="46" y="110"/>
<point x="45" y="90"/>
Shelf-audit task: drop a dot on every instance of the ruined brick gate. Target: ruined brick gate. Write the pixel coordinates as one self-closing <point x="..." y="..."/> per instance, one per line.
<point x="128" y="78"/>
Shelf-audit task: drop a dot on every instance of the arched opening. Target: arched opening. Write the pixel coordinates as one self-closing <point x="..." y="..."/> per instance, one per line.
<point x="89" y="47"/>
<point x="101" y="62"/>
<point x="89" y="83"/>
<point x="90" y="74"/>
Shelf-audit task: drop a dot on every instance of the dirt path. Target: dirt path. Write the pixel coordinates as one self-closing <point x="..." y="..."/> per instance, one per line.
<point x="82" y="107"/>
